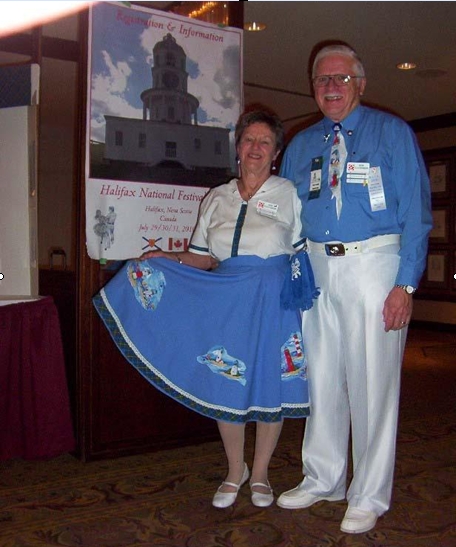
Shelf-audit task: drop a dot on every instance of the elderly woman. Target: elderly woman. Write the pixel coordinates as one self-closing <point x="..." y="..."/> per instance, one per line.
<point x="219" y="341"/>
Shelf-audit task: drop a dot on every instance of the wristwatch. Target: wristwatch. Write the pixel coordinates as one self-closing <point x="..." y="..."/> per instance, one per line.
<point x="407" y="288"/>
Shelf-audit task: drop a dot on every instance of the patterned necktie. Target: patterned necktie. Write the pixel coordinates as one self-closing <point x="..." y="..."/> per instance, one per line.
<point x="336" y="165"/>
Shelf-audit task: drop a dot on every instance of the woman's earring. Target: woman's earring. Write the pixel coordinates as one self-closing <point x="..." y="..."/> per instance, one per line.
<point x="273" y="166"/>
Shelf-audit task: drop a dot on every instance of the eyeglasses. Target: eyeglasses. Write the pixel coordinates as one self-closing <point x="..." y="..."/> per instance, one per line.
<point x="339" y="80"/>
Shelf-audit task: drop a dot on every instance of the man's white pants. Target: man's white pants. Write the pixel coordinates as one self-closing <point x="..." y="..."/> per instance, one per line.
<point x="354" y="379"/>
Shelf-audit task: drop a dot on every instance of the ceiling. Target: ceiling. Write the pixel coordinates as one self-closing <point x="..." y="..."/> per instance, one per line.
<point x="383" y="33"/>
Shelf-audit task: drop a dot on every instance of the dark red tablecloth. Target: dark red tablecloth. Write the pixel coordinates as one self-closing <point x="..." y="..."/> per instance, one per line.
<point x="35" y="420"/>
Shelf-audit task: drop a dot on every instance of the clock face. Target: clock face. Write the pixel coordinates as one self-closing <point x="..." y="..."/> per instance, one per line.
<point x="170" y="80"/>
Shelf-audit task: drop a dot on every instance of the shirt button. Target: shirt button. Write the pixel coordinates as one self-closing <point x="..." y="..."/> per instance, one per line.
<point x="327" y="232"/>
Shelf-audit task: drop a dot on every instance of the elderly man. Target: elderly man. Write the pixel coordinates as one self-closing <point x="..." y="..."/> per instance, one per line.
<point x="366" y="215"/>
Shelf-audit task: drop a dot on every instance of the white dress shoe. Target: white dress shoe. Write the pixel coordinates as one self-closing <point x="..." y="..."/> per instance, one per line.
<point x="225" y="499"/>
<point x="357" y="521"/>
<point x="258" y="498"/>
<point x="297" y="498"/>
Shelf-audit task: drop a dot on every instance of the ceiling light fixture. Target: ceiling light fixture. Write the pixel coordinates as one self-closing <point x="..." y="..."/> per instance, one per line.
<point x="254" y="26"/>
<point x="406" y="66"/>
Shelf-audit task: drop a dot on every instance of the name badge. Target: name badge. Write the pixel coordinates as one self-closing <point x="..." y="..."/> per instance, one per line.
<point x="315" y="177"/>
<point x="376" y="191"/>
<point x="358" y="172"/>
<point x="266" y="209"/>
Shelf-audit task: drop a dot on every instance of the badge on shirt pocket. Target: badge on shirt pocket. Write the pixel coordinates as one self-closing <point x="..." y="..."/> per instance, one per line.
<point x="266" y="209"/>
<point x="315" y="177"/>
<point x="358" y="172"/>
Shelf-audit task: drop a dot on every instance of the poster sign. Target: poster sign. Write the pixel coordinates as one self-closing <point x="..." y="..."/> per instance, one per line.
<point x="164" y="95"/>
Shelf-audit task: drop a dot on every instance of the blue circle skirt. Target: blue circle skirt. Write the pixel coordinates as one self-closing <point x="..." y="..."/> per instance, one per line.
<point x="218" y="342"/>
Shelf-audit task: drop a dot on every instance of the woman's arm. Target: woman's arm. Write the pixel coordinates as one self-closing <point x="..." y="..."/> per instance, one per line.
<point x="202" y="262"/>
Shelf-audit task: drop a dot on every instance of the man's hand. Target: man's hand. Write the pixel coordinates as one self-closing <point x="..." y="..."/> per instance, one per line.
<point x="397" y="310"/>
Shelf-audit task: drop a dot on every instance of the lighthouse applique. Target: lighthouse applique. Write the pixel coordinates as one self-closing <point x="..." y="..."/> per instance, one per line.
<point x="293" y="363"/>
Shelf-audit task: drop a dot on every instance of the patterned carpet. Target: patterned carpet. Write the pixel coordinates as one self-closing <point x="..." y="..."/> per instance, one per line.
<point x="163" y="499"/>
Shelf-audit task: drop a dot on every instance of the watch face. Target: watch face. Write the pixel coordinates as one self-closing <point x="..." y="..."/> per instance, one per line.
<point x="407" y="288"/>
<point x="170" y="80"/>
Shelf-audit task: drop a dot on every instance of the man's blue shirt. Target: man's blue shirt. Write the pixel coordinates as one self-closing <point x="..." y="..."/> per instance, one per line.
<point x="384" y="141"/>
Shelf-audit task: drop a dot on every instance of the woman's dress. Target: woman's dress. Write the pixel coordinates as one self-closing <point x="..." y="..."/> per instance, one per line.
<point x="219" y="342"/>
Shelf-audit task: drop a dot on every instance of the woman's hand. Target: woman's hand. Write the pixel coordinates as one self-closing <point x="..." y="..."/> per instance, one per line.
<point x="154" y="254"/>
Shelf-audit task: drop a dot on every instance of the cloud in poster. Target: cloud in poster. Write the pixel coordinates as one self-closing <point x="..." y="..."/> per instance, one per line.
<point x="122" y="70"/>
<point x="227" y="78"/>
<point x="109" y="95"/>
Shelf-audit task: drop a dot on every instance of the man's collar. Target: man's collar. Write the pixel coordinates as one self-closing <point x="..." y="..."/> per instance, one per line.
<point x="349" y="123"/>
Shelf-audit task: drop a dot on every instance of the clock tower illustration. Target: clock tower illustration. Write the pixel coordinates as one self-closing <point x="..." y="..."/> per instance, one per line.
<point x="168" y="144"/>
<point x="168" y="100"/>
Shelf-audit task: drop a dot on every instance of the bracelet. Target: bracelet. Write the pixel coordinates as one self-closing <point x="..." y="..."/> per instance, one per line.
<point x="178" y="258"/>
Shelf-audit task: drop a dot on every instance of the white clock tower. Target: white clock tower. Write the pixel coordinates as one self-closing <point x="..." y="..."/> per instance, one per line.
<point x="168" y="99"/>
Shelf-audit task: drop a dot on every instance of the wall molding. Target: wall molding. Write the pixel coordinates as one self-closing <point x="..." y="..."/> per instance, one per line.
<point x="433" y="122"/>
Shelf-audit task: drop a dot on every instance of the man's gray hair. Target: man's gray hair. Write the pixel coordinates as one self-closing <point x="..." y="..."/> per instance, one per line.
<point x="339" y="49"/>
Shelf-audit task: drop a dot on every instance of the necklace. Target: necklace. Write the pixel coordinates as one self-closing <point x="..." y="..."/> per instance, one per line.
<point x="251" y="193"/>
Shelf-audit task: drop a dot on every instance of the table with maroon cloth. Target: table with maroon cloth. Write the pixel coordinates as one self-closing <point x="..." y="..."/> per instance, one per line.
<point x="35" y="418"/>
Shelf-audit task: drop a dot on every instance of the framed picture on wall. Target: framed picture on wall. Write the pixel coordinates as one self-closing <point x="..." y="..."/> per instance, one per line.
<point x="439" y="177"/>
<point x="438" y="282"/>
<point x="453" y="222"/>
<point x="436" y="274"/>
<point x="440" y="230"/>
<point x="453" y="272"/>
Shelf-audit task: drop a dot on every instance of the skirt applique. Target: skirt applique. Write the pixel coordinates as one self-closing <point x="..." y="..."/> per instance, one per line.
<point x="148" y="284"/>
<point x="219" y="361"/>
<point x="293" y="364"/>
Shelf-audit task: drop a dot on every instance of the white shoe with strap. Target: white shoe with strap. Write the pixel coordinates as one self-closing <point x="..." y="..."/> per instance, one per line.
<point x="259" y="499"/>
<point x="222" y="500"/>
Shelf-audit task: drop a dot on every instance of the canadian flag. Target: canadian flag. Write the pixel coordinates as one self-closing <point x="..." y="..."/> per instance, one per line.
<point x="177" y="244"/>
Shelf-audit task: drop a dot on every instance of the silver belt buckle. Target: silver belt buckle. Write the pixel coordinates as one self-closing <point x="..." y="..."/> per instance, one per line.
<point x="335" y="249"/>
